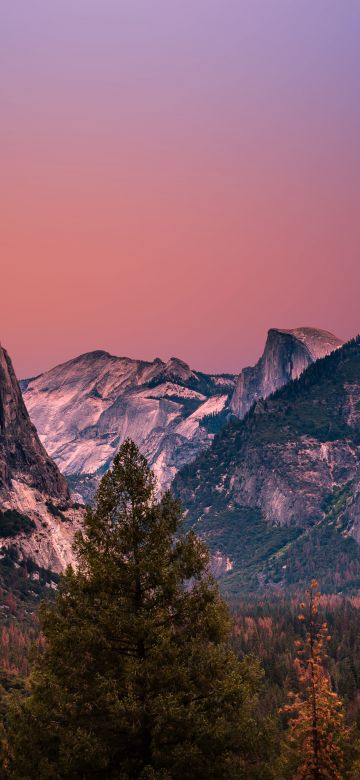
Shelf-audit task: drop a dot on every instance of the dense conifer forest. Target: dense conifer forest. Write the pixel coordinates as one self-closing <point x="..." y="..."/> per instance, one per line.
<point x="136" y="667"/>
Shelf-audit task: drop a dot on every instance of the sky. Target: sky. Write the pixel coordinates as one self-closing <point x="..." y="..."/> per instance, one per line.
<point x="177" y="176"/>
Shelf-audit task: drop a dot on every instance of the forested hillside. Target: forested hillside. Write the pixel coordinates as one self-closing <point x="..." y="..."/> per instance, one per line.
<point x="277" y="494"/>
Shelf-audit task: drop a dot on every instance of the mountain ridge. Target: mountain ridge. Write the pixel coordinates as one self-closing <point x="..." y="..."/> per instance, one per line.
<point x="84" y="408"/>
<point x="284" y="478"/>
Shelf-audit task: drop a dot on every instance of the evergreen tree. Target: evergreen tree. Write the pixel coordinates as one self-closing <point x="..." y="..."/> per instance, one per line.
<point x="317" y="733"/>
<point x="136" y="679"/>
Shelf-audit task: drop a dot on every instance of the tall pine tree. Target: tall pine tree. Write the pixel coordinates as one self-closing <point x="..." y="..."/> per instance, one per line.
<point x="137" y="679"/>
<point x="317" y="733"/>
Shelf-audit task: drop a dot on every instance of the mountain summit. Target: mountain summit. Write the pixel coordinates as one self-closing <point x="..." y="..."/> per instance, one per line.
<point x="286" y="355"/>
<point x="85" y="408"/>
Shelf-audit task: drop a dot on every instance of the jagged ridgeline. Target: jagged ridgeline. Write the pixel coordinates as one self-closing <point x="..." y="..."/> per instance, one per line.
<point x="278" y="494"/>
<point x="85" y="408"/>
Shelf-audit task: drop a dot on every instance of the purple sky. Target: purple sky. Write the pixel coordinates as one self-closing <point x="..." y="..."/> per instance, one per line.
<point x="177" y="176"/>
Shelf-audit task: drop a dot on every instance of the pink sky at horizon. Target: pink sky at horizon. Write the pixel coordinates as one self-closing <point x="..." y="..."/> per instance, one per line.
<point x="177" y="177"/>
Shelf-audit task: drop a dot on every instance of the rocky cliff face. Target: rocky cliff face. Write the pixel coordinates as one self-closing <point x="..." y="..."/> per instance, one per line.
<point x="22" y="456"/>
<point x="36" y="514"/>
<point x="286" y="355"/>
<point x="85" y="408"/>
<point x="278" y="493"/>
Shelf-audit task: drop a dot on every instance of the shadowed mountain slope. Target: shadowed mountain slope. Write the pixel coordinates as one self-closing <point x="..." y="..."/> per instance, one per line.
<point x="37" y="517"/>
<point x="277" y="494"/>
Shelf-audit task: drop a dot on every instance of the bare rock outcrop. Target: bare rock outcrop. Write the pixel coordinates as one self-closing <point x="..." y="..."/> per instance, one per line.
<point x="286" y="355"/>
<point x="37" y="516"/>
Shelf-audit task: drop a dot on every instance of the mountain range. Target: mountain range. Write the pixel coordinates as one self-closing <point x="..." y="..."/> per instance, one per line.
<point x="84" y="408"/>
<point x="266" y="463"/>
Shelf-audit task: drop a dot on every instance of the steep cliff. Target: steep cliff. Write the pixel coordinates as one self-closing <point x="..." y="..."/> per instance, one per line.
<point x="22" y="456"/>
<point x="278" y="492"/>
<point x="286" y="355"/>
<point x="37" y="517"/>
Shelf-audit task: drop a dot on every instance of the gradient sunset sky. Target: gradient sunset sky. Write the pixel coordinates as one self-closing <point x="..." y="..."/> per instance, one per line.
<point x="177" y="176"/>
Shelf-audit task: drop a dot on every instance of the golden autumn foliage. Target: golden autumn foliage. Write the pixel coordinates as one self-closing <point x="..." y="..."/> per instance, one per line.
<point x="316" y="728"/>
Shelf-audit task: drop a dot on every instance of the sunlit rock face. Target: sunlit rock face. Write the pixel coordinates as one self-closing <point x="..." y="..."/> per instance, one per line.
<point x="85" y="408"/>
<point x="286" y="355"/>
<point x="36" y="513"/>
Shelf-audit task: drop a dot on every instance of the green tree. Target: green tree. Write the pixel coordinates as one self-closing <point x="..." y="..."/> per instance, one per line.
<point x="137" y="679"/>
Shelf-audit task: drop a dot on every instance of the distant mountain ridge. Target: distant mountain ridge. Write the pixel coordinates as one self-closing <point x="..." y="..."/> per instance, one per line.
<point x="277" y="495"/>
<point x="84" y="408"/>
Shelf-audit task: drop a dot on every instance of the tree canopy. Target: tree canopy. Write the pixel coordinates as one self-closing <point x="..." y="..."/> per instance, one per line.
<point x="137" y="678"/>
